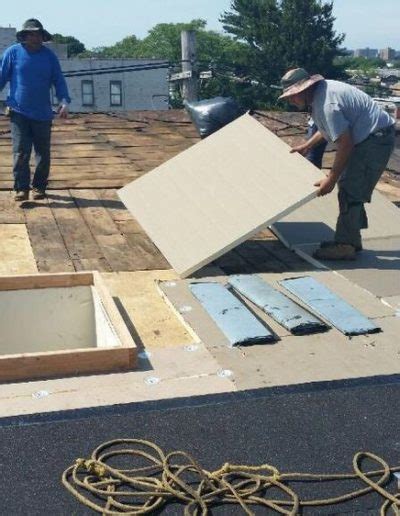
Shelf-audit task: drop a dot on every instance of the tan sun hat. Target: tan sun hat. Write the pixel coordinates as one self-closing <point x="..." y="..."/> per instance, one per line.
<point x="297" y="80"/>
<point x="33" y="25"/>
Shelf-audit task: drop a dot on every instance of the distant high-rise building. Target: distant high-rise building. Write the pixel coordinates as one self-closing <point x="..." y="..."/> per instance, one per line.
<point x="387" y="54"/>
<point x="369" y="53"/>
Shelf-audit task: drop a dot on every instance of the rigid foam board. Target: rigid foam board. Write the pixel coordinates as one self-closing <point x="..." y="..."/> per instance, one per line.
<point x="376" y="269"/>
<point x="316" y="221"/>
<point x="296" y="359"/>
<point x="215" y="195"/>
<point x="233" y="318"/>
<point x="331" y="307"/>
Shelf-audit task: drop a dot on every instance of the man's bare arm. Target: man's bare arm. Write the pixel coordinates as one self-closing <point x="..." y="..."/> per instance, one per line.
<point x="309" y="144"/>
<point x="345" y="147"/>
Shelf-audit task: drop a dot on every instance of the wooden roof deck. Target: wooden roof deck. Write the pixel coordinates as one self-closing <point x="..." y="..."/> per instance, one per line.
<point x="82" y="225"/>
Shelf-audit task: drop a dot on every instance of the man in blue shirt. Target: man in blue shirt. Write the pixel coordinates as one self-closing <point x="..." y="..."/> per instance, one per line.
<point x="364" y="135"/>
<point x="32" y="69"/>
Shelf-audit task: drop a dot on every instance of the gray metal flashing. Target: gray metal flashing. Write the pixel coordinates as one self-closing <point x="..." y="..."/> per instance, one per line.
<point x="329" y="306"/>
<point x="281" y="308"/>
<point x="236" y="321"/>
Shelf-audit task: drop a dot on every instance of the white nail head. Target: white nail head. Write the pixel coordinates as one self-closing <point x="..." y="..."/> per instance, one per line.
<point x="225" y="373"/>
<point x="40" y="394"/>
<point x="185" y="309"/>
<point x="191" y="348"/>
<point x="152" y="380"/>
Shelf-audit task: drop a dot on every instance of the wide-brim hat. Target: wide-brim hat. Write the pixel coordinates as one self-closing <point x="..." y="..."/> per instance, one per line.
<point x="33" y="25"/>
<point x="296" y="81"/>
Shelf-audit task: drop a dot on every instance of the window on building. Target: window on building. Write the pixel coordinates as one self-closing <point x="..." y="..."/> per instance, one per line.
<point x="87" y="93"/>
<point x="115" y="93"/>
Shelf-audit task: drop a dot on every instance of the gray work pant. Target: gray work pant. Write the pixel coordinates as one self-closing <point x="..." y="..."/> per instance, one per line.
<point x="356" y="184"/>
<point x="26" y="133"/>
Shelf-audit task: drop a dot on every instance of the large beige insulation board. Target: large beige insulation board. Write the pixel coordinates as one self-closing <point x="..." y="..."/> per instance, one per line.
<point x="215" y="195"/>
<point x="316" y="221"/>
<point x="376" y="269"/>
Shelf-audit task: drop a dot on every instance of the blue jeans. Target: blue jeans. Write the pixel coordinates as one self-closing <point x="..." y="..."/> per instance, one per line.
<point x="26" y="133"/>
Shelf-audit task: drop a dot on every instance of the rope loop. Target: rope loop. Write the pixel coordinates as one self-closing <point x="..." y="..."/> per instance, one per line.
<point x="133" y="476"/>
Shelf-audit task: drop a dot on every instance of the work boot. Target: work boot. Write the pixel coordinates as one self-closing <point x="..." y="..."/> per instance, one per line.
<point x="38" y="194"/>
<point x="21" y="195"/>
<point x="329" y="243"/>
<point x="336" y="252"/>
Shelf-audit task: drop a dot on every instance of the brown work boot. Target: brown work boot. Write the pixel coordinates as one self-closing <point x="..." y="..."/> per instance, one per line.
<point x="38" y="194"/>
<point x="336" y="252"/>
<point x="330" y="243"/>
<point x="21" y="195"/>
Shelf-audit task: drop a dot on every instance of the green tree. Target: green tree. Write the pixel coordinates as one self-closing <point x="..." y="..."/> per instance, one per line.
<point x="127" y="47"/>
<point x="281" y="34"/>
<point x="75" y="47"/>
<point x="221" y="54"/>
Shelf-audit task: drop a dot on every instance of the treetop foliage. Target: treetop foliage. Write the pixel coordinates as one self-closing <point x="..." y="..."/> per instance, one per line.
<point x="262" y="39"/>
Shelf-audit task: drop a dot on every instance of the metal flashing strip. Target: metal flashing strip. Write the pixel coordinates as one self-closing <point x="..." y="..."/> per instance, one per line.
<point x="281" y="308"/>
<point x="234" y="319"/>
<point x="328" y="305"/>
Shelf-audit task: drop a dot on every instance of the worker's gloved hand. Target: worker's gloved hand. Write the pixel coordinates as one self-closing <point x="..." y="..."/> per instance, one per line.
<point x="63" y="109"/>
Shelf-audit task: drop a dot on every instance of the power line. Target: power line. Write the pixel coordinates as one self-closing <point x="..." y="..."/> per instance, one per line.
<point x="116" y="69"/>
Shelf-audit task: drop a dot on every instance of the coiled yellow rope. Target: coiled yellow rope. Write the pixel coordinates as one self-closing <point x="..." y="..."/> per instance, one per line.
<point x="177" y="477"/>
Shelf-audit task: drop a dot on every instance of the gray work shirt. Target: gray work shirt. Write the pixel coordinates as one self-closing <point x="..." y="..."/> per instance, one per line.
<point x="338" y="107"/>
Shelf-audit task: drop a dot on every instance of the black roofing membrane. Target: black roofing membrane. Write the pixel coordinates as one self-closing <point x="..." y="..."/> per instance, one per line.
<point x="309" y="428"/>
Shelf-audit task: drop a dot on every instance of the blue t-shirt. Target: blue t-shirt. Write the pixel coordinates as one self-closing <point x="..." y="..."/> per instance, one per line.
<point x="338" y="107"/>
<point x="31" y="76"/>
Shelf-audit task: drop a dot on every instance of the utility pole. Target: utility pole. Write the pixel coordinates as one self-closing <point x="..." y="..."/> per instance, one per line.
<point x="189" y="83"/>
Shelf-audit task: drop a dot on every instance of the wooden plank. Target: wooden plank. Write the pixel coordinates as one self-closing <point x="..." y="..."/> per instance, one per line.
<point x="214" y="196"/>
<point x="77" y="183"/>
<point x="95" y="214"/>
<point x="77" y="237"/>
<point x="76" y="161"/>
<point x="64" y="363"/>
<point x="259" y="258"/>
<point x="117" y="322"/>
<point x="116" y="249"/>
<point x="145" y="252"/>
<point x="47" y="242"/>
<point x="86" y="171"/>
<point x="237" y="323"/>
<point x="10" y="211"/>
<point x="92" y="264"/>
<point x="16" y="256"/>
<point x="120" y="255"/>
<point x="114" y="205"/>
<point x="30" y="281"/>
<point x="47" y="265"/>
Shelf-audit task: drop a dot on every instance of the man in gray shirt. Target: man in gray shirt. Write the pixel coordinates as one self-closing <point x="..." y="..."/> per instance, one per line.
<point x="364" y="135"/>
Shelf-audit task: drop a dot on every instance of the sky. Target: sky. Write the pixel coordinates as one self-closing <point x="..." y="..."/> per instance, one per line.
<point x="373" y="23"/>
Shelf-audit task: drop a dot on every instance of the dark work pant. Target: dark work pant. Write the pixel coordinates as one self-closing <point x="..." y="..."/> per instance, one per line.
<point x="316" y="154"/>
<point x="356" y="184"/>
<point x="26" y="133"/>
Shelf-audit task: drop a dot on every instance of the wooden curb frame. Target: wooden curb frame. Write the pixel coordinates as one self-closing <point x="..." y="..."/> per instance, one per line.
<point x="69" y="362"/>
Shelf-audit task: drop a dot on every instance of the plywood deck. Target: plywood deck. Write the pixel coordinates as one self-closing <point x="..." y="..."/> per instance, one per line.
<point x="100" y="151"/>
<point x="74" y="230"/>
